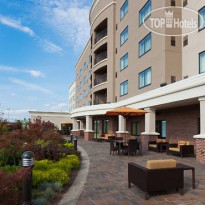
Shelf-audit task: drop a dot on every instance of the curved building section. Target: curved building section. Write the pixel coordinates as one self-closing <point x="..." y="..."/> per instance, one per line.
<point x="125" y="64"/>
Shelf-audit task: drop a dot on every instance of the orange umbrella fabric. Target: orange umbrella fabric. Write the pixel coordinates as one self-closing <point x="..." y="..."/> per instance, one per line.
<point x="127" y="111"/>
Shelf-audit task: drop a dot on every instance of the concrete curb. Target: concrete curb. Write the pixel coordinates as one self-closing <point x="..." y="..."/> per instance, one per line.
<point x="73" y="194"/>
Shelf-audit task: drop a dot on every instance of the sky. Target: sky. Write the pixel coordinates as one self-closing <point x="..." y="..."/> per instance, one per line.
<point x="40" y="43"/>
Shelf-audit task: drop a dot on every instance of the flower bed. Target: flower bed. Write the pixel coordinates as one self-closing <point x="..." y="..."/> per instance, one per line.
<point x="55" y="161"/>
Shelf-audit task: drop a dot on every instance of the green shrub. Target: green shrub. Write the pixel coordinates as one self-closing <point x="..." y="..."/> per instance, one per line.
<point x="57" y="187"/>
<point x="43" y="165"/>
<point x="74" y="160"/>
<point x="49" y="193"/>
<point x="10" y="169"/>
<point x="42" y="143"/>
<point x="40" y="201"/>
<point x="69" y="145"/>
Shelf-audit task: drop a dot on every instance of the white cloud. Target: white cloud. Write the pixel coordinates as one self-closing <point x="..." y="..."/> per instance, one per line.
<point x="30" y="86"/>
<point x="33" y="73"/>
<point x="13" y="94"/>
<point x="16" y="24"/>
<point x="50" y="47"/>
<point x="69" y="19"/>
<point x="60" y="107"/>
<point x="13" y="115"/>
<point x="36" y="73"/>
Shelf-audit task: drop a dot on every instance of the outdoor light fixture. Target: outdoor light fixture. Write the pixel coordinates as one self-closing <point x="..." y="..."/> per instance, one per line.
<point x="28" y="161"/>
<point x="75" y="139"/>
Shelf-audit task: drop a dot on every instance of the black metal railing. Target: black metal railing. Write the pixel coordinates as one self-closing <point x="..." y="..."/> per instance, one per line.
<point x="100" y="79"/>
<point x="100" y="35"/>
<point x="100" y="57"/>
<point x="102" y="101"/>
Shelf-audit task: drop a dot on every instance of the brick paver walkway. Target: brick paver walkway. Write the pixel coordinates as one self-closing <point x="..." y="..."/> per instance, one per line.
<point x="107" y="180"/>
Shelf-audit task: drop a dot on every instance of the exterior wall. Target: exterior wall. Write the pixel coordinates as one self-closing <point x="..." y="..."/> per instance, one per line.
<point x="182" y="122"/>
<point x="85" y="73"/>
<point x="55" y="117"/>
<point x="71" y="98"/>
<point x="194" y="47"/>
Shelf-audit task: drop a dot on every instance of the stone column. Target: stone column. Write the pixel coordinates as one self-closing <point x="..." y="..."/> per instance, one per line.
<point x="82" y="127"/>
<point x="75" y="131"/>
<point x="89" y="133"/>
<point x="150" y="133"/>
<point x="200" y="139"/>
<point x="122" y="132"/>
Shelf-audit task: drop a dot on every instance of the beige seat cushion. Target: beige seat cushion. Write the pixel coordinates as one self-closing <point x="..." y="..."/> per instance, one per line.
<point x="175" y="149"/>
<point x="161" y="164"/>
<point x="161" y="140"/>
<point x="153" y="145"/>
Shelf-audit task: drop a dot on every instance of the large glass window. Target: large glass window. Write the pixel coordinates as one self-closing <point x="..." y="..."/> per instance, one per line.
<point x="161" y="128"/>
<point x="85" y="80"/>
<point x="135" y="129"/>
<point x="124" y="88"/>
<point x="145" y="12"/>
<point x="80" y="84"/>
<point x="124" y="62"/>
<point x="81" y="71"/>
<point x="84" y="94"/>
<point x="145" y="45"/>
<point x="202" y="62"/>
<point x="202" y="18"/>
<point x="124" y="36"/>
<point x="124" y="9"/>
<point x="145" y="78"/>
<point x="105" y="126"/>
<point x="85" y="66"/>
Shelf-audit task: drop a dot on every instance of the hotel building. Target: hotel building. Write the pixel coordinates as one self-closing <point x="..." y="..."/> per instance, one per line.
<point x="126" y="64"/>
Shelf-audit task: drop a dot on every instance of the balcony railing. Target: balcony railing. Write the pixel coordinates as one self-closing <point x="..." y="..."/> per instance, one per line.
<point x="98" y="102"/>
<point x="100" y="35"/>
<point x="100" y="57"/>
<point x="100" y="79"/>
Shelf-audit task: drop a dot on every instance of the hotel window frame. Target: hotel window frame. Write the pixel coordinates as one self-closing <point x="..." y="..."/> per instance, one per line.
<point x="85" y="66"/>
<point x="142" y="10"/>
<point x="124" y="88"/>
<point x="159" y="128"/>
<point x="203" y="52"/>
<point x="144" y="72"/>
<point x="144" y="44"/>
<point x="122" y="33"/>
<point x="124" y="9"/>
<point x="124" y="60"/>
<point x="105" y="127"/>
<point x="200" y="29"/>
<point x="137" y="132"/>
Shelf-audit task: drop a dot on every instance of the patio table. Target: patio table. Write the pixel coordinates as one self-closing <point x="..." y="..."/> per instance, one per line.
<point x="187" y="167"/>
<point x="120" y="143"/>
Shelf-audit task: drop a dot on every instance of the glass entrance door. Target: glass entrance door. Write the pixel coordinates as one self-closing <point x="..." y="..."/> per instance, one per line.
<point x="96" y="129"/>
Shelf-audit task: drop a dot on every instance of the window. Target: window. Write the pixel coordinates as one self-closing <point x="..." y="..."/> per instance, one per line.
<point x="90" y="59"/>
<point x="124" y="10"/>
<point x="185" y="41"/>
<point x="90" y="89"/>
<point x="135" y="129"/>
<point x="85" y="80"/>
<point x="202" y="62"/>
<point x="202" y="18"/>
<point x="84" y="94"/>
<point x="90" y="103"/>
<point x="124" y="88"/>
<point x="145" y="12"/>
<point x="173" y="79"/>
<point x="145" y="78"/>
<point x="173" y="3"/>
<point x="85" y="66"/>
<point x="161" y="128"/>
<point x="80" y="97"/>
<point x="124" y="62"/>
<point x="185" y="3"/>
<point x="145" y="45"/>
<point x="80" y="84"/>
<point x="173" y="41"/>
<point x="124" y="36"/>
<point x="105" y="127"/>
<point x="81" y="71"/>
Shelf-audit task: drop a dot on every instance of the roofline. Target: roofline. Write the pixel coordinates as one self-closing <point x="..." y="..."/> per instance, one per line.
<point x="72" y="84"/>
<point x="47" y="112"/>
<point x="82" y="53"/>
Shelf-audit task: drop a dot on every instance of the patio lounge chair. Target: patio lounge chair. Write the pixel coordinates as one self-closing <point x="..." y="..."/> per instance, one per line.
<point x="183" y="149"/>
<point x="158" y="175"/>
<point x="155" y="145"/>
